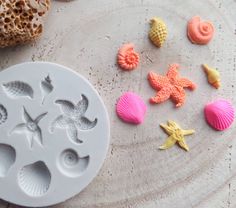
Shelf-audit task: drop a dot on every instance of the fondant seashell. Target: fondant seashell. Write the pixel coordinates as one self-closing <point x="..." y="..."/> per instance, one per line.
<point x="131" y="108"/>
<point x="127" y="58"/>
<point x="17" y="89"/>
<point x="219" y="114"/>
<point x="7" y="158"/>
<point x="158" y="31"/>
<point x="34" y="179"/>
<point x="3" y="114"/>
<point x="213" y="76"/>
<point x="71" y="164"/>
<point x="200" y="32"/>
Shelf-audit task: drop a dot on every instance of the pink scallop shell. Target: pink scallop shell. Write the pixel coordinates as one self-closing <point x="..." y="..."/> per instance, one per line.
<point x="219" y="114"/>
<point x="131" y="108"/>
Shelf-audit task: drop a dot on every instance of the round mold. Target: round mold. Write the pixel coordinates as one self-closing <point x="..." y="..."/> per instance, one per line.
<point x="59" y="127"/>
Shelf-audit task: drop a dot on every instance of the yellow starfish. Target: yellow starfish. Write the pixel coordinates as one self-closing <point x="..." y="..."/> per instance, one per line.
<point x="176" y="134"/>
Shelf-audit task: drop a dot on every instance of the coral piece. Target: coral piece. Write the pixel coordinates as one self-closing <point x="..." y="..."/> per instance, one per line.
<point x="200" y="32"/>
<point x="3" y="114"/>
<point x="213" y="76"/>
<point x="131" y="108"/>
<point x="72" y="118"/>
<point x="16" y="89"/>
<point x="47" y="87"/>
<point x="127" y="58"/>
<point x="158" y="31"/>
<point x="31" y="128"/>
<point x="176" y="134"/>
<point x="219" y="114"/>
<point x="170" y="86"/>
<point x="21" y="21"/>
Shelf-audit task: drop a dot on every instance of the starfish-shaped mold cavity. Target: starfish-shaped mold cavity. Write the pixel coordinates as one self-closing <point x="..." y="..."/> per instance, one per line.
<point x="176" y="134"/>
<point x="170" y="86"/>
<point x="30" y="127"/>
<point x="72" y="118"/>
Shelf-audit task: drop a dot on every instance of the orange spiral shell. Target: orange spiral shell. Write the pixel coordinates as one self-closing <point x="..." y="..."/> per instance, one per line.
<point x="127" y="58"/>
<point x="200" y="32"/>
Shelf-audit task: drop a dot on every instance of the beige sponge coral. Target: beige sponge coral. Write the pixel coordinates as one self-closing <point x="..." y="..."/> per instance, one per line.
<point x="21" y="21"/>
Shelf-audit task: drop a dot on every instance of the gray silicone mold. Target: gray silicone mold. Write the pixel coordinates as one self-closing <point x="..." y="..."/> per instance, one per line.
<point x="54" y="134"/>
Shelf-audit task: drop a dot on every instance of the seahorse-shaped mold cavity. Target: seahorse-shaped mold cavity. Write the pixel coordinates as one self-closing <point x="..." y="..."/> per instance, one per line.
<point x="34" y="179"/>
<point x="7" y="158"/>
<point x="3" y="114"/>
<point x="16" y="89"/>
<point x="71" y="164"/>
<point x="72" y="118"/>
<point x="46" y="87"/>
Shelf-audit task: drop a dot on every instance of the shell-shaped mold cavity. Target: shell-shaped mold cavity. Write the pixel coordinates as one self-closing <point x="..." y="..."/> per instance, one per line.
<point x="7" y="158"/>
<point x="219" y="114"/>
<point x="131" y="108"/>
<point x="34" y="179"/>
<point x="16" y="89"/>
<point x="3" y="114"/>
<point x="46" y="87"/>
<point x="71" y="164"/>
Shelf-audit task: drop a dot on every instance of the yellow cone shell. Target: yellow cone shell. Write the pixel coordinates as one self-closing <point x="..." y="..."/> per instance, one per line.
<point x="213" y="76"/>
<point x="158" y="31"/>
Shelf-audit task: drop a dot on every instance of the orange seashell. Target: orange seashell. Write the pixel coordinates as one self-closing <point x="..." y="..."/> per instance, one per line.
<point x="127" y="58"/>
<point x="200" y="32"/>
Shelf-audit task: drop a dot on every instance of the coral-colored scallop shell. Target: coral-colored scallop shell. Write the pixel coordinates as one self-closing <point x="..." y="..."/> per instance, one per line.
<point x="127" y="58"/>
<point x="219" y="114"/>
<point x="131" y="108"/>
<point x="200" y="32"/>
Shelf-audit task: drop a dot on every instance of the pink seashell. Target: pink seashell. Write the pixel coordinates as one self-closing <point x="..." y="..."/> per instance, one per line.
<point x="131" y="108"/>
<point x="219" y="114"/>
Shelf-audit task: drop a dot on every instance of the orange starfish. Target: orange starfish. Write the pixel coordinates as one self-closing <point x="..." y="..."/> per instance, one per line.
<point x="170" y="86"/>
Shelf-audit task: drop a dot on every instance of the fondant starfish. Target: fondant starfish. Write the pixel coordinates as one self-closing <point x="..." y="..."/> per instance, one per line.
<point x="176" y="134"/>
<point x="170" y="86"/>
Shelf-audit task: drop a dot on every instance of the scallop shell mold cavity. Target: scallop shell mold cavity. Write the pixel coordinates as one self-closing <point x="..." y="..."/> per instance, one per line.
<point x="34" y="179"/>
<point x="21" y="21"/>
<point x="7" y="158"/>
<point x="71" y="164"/>
<point x="41" y="167"/>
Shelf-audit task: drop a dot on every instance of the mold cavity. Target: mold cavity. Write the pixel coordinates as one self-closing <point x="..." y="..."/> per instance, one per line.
<point x="70" y="164"/>
<point x="73" y="119"/>
<point x="7" y="158"/>
<point x="34" y="179"/>
<point x="16" y="89"/>
<point x="3" y="114"/>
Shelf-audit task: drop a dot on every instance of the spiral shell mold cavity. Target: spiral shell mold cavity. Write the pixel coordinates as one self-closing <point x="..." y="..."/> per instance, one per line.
<point x="131" y="108"/>
<point x="158" y="31"/>
<point x="200" y="32"/>
<point x="219" y="114"/>
<point x="16" y="89"/>
<point x="3" y="114"/>
<point x="71" y="164"/>
<point x="127" y="58"/>
<point x="34" y="179"/>
<point x="7" y="158"/>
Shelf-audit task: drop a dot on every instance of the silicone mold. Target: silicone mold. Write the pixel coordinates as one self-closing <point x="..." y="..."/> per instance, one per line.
<point x="52" y="121"/>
